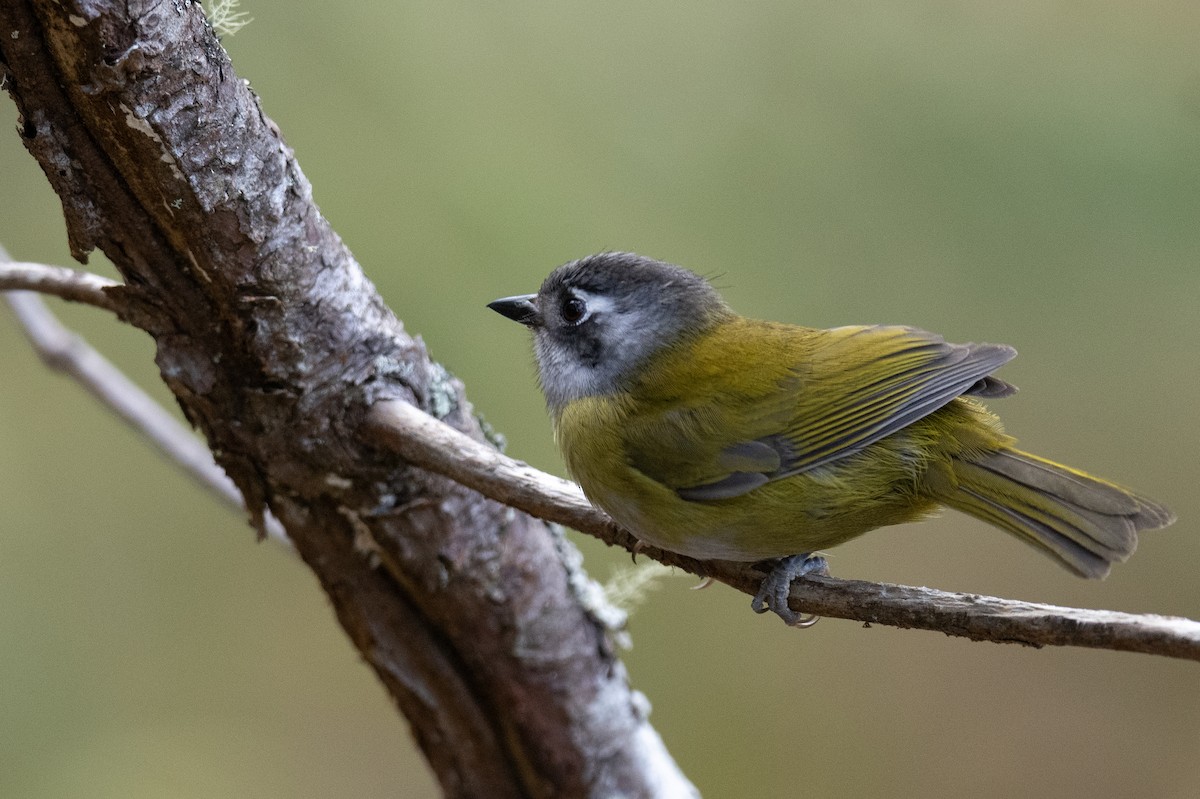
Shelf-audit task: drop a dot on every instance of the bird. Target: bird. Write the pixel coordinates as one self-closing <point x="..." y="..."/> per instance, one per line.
<point x="718" y="436"/>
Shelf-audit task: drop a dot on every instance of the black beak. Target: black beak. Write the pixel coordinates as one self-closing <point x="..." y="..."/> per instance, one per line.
<point x="519" y="309"/>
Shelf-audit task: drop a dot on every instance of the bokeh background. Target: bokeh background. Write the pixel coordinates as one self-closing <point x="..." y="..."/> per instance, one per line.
<point x="1023" y="172"/>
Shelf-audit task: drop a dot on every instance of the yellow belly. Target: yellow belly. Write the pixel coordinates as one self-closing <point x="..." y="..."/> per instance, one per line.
<point x="815" y="510"/>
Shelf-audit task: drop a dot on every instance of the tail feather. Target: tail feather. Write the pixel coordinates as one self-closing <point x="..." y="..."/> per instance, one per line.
<point x="1085" y="523"/>
<point x="1074" y="556"/>
<point x="1108" y="531"/>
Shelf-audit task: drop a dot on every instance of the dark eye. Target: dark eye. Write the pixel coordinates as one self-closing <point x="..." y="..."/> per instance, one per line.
<point x="573" y="310"/>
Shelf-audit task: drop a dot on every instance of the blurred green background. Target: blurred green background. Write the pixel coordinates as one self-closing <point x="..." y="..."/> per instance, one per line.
<point x="1024" y="172"/>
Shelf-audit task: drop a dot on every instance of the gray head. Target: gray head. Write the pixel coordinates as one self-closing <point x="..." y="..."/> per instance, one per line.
<point x="596" y="320"/>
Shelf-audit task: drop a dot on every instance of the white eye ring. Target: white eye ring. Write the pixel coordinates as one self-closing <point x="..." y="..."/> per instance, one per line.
<point x="574" y="310"/>
<point x="592" y="304"/>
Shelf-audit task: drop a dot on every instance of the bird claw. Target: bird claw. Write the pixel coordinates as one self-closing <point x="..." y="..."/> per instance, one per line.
<point x="777" y="587"/>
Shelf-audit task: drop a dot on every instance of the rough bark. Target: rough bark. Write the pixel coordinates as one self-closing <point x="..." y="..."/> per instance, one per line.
<point x="276" y="345"/>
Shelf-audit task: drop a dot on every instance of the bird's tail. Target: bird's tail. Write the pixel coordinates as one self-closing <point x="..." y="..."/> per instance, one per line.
<point x="1085" y="523"/>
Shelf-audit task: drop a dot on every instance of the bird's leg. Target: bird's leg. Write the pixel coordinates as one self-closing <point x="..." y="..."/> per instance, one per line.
<point x="777" y="587"/>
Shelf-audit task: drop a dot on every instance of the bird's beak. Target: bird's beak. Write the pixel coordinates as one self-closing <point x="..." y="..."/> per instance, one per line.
<point x="519" y="309"/>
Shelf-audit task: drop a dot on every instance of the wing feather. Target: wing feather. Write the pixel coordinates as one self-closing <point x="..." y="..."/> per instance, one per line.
<point x="838" y="391"/>
<point x="868" y="383"/>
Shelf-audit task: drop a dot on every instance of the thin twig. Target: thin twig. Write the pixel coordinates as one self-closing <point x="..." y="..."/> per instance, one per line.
<point x="426" y="442"/>
<point x="65" y="352"/>
<point x="69" y="284"/>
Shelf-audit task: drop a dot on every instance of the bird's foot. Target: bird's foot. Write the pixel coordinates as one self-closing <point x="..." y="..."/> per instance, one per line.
<point x="777" y="587"/>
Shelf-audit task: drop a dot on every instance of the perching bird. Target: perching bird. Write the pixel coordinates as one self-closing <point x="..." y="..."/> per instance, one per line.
<point x="721" y="437"/>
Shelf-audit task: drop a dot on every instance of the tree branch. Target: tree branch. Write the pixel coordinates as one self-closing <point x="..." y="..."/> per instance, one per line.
<point x="63" y="351"/>
<point x="276" y="345"/>
<point x="423" y="440"/>
<point x="426" y="442"/>
<point x="68" y="284"/>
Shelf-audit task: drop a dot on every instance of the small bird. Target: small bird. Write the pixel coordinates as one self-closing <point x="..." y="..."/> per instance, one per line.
<point x="721" y="437"/>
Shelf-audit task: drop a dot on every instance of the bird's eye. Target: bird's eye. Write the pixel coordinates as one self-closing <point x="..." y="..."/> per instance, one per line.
<point x="573" y="310"/>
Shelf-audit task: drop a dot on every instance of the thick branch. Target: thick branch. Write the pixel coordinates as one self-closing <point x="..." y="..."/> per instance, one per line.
<point x="275" y="345"/>
<point x="423" y="440"/>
